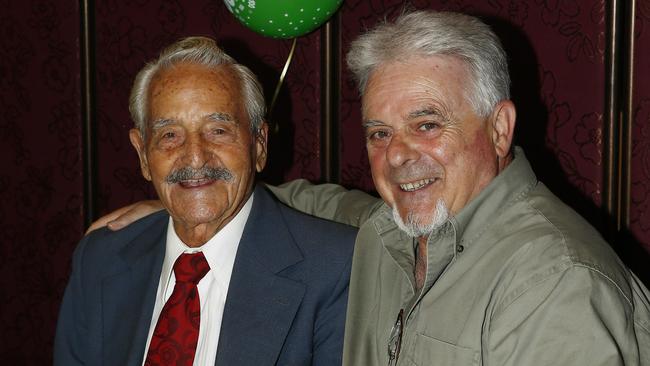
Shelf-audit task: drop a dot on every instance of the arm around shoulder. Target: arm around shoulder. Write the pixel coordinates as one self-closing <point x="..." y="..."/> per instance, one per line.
<point x="327" y="201"/>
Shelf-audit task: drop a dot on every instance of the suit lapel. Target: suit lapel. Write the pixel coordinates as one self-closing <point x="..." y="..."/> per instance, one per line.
<point x="261" y="304"/>
<point x="132" y="291"/>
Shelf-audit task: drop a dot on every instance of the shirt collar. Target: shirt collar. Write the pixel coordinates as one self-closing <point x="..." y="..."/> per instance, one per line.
<point x="510" y="186"/>
<point x="461" y="230"/>
<point x="219" y="251"/>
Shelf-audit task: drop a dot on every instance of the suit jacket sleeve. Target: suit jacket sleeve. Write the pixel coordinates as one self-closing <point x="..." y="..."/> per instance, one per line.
<point x="71" y="340"/>
<point x="327" y="201"/>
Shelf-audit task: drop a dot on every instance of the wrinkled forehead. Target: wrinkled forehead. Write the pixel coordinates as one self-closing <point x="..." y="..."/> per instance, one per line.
<point x="185" y="87"/>
<point x="217" y="79"/>
<point x="416" y="79"/>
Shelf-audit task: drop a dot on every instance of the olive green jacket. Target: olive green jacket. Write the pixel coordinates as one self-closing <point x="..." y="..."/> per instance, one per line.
<point x="516" y="278"/>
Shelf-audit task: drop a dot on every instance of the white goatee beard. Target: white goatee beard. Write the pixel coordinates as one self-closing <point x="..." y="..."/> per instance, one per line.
<point x="415" y="228"/>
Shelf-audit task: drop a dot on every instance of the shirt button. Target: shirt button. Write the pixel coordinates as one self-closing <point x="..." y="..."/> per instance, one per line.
<point x="460" y="248"/>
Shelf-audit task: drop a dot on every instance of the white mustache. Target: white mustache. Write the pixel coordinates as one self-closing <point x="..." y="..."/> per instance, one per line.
<point x="188" y="173"/>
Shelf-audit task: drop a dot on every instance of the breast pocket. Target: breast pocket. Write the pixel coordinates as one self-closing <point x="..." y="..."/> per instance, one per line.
<point x="431" y="351"/>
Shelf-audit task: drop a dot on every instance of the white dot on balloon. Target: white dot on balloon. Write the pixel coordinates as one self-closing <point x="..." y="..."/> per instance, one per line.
<point x="290" y="23"/>
<point x="302" y="10"/>
<point x="317" y="9"/>
<point x="313" y="18"/>
<point x="295" y="28"/>
<point x="286" y="15"/>
<point x="301" y="20"/>
<point x="279" y="29"/>
<point x="271" y="21"/>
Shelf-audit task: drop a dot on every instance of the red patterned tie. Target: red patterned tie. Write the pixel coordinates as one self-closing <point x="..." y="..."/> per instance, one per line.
<point x="174" y="339"/>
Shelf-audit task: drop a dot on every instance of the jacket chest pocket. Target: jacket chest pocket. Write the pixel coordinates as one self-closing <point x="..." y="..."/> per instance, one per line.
<point x="431" y="351"/>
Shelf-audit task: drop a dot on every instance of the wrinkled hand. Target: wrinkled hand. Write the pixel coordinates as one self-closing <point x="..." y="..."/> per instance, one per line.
<point x="126" y="215"/>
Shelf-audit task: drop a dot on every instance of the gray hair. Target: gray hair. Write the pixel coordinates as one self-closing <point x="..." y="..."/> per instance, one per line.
<point x="202" y="51"/>
<point x="429" y="33"/>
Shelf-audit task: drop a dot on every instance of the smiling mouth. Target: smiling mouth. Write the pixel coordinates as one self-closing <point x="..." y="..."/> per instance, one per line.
<point x="192" y="183"/>
<point x="414" y="186"/>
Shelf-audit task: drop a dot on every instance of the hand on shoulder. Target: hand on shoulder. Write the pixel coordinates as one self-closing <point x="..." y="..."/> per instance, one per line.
<point x="126" y="215"/>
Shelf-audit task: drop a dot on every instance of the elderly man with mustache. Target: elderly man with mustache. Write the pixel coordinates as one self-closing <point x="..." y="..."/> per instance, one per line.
<point x="225" y="274"/>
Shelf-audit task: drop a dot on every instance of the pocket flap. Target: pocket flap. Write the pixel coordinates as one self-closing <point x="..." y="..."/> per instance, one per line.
<point x="431" y="351"/>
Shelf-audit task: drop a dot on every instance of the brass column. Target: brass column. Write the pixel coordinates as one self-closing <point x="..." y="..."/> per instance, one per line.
<point x="330" y="97"/>
<point x="87" y="87"/>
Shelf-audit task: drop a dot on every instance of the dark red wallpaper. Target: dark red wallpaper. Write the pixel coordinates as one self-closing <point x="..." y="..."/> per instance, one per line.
<point x="41" y="191"/>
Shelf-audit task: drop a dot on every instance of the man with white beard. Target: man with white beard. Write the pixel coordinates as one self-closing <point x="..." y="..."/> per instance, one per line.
<point x="469" y="259"/>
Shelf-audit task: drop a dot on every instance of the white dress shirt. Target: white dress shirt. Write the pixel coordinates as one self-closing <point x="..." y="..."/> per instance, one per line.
<point x="220" y="253"/>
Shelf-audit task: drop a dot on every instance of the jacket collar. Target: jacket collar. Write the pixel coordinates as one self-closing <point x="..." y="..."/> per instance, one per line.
<point x="266" y="235"/>
<point x="262" y="302"/>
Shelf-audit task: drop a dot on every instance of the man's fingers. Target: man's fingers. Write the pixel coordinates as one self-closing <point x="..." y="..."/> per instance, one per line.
<point x="126" y="215"/>
<point x="134" y="213"/>
<point x="104" y="220"/>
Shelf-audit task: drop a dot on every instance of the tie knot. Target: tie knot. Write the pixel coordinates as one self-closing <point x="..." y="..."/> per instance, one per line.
<point x="191" y="267"/>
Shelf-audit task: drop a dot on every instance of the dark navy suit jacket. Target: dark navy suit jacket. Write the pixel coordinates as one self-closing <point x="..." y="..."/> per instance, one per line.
<point x="285" y="304"/>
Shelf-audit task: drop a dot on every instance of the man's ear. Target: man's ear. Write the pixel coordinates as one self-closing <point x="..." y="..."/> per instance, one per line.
<point x="261" y="140"/>
<point x="503" y="127"/>
<point x="138" y="143"/>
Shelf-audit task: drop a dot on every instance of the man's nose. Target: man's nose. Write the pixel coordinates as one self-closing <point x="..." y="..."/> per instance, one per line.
<point x="196" y="152"/>
<point x="400" y="151"/>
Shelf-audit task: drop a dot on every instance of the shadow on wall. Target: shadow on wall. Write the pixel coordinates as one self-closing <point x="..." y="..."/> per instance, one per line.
<point x="281" y="132"/>
<point x="531" y="131"/>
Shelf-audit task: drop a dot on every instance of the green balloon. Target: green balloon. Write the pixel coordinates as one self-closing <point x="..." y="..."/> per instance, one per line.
<point x="282" y="18"/>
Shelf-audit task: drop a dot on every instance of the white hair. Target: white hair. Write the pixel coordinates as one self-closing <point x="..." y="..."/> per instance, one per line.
<point x="201" y="51"/>
<point x="427" y="33"/>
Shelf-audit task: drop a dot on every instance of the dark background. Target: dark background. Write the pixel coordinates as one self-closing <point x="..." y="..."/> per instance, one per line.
<point x="581" y="82"/>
